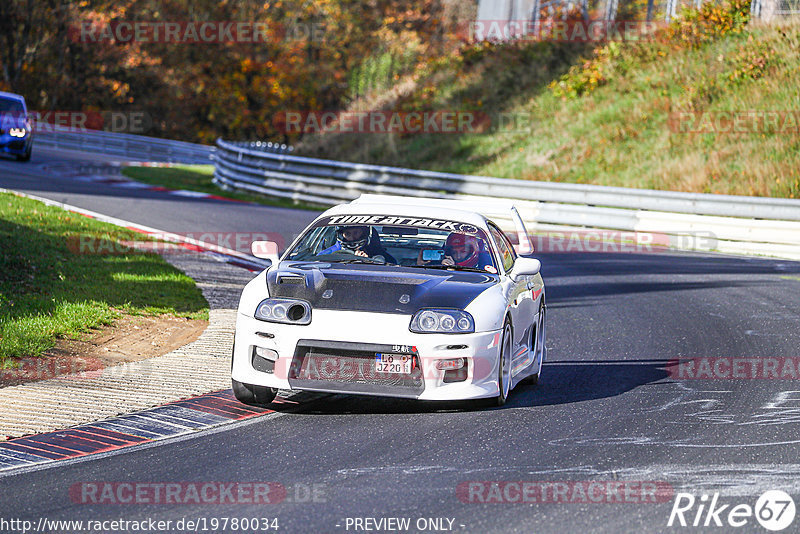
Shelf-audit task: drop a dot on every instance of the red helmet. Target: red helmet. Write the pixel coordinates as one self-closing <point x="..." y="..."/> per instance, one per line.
<point x="468" y="247"/>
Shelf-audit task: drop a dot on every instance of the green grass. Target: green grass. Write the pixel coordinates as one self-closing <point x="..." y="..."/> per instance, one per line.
<point x="200" y="178"/>
<point x="617" y="134"/>
<point x="49" y="288"/>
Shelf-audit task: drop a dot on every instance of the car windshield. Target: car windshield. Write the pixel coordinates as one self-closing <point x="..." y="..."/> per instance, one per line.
<point x="13" y="106"/>
<point x="409" y="242"/>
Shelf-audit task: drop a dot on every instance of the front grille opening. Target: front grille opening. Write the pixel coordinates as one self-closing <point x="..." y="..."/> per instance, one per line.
<point x="350" y="367"/>
<point x="455" y="375"/>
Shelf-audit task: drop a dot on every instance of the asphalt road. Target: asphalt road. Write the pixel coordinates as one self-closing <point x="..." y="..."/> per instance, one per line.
<point x="56" y="175"/>
<point x="609" y="408"/>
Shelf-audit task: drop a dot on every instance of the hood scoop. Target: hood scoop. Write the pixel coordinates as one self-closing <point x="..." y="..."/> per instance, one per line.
<point x="361" y="288"/>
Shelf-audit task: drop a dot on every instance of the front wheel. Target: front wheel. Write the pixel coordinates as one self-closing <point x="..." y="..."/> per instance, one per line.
<point x="504" y="367"/>
<point x="537" y="346"/>
<point x="253" y="395"/>
<point x="26" y="156"/>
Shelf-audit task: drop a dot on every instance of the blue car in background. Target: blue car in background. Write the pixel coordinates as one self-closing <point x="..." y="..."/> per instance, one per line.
<point x="16" y="131"/>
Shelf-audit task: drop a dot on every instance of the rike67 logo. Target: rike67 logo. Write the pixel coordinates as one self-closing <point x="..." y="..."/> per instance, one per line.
<point x="774" y="510"/>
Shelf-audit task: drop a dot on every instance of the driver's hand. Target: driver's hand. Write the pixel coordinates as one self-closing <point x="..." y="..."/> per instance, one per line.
<point x="361" y="253"/>
<point x="447" y="260"/>
<point x="420" y="261"/>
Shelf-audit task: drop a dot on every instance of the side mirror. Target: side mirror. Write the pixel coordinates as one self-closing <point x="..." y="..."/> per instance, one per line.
<point x="526" y="267"/>
<point x="266" y="250"/>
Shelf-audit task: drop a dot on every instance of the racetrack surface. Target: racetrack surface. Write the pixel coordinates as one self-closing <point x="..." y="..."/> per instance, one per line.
<point x="58" y="175"/>
<point x="607" y="407"/>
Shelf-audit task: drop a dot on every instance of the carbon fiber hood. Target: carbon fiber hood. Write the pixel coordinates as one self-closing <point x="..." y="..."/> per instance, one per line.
<point x="375" y="288"/>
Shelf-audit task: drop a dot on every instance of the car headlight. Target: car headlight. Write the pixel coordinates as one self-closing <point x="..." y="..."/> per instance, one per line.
<point x="289" y="311"/>
<point x="442" y="322"/>
<point x="17" y="132"/>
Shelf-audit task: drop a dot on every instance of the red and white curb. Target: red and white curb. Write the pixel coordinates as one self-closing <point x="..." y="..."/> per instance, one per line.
<point x="167" y="421"/>
<point x="195" y="369"/>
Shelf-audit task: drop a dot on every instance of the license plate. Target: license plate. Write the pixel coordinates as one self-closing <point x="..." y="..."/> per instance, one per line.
<point x="393" y="363"/>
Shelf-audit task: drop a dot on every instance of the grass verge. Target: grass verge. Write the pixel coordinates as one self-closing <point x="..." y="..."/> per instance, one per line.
<point x="606" y="115"/>
<point x="200" y="178"/>
<point x="49" y="288"/>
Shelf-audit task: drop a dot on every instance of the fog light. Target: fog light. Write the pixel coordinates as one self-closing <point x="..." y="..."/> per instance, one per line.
<point x="267" y="354"/>
<point x="450" y="365"/>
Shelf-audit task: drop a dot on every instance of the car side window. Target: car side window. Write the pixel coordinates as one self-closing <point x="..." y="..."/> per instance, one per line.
<point x="506" y="250"/>
<point x="326" y="239"/>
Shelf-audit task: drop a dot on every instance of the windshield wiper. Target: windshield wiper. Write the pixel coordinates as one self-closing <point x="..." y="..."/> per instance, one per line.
<point x="448" y="267"/>
<point x="360" y="260"/>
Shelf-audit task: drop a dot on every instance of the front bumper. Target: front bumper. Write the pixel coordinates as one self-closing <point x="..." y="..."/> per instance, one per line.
<point x="14" y="145"/>
<point x="345" y="344"/>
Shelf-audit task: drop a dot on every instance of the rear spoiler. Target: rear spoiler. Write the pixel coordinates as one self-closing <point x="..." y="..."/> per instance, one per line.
<point x="492" y="209"/>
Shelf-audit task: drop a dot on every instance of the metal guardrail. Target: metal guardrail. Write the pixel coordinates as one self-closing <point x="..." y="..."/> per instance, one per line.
<point x="129" y="146"/>
<point x="738" y="224"/>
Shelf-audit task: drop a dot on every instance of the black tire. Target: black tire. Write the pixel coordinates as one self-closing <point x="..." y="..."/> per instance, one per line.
<point x="503" y="365"/>
<point x="26" y="156"/>
<point x="533" y="380"/>
<point x="253" y="395"/>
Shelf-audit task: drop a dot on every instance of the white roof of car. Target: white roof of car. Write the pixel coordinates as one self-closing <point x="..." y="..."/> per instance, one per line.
<point x="406" y="209"/>
<point x="12" y="96"/>
<point x="474" y="212"/>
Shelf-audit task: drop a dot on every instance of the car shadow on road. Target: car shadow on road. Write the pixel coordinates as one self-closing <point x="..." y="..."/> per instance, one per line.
<point x="566" y="382"/>
<point x="563" y="382"/>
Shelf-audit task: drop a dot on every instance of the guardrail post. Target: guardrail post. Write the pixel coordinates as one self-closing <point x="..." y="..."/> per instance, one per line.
<point x="610" y="10"/>
<point x="672" y="6"/>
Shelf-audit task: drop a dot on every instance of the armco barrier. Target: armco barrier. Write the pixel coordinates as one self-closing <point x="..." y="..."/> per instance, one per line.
<point x="129" y="146"/>
<point x="742" y="225"/>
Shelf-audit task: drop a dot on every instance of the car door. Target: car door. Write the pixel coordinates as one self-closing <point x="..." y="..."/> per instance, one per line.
<point x="519" y="298"/>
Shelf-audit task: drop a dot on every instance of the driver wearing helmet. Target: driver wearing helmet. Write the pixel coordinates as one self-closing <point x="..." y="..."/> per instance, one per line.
<point x="360" y="241"/>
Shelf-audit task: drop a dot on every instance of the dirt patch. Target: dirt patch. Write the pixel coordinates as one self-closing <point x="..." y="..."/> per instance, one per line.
<point x="130" y="338"/>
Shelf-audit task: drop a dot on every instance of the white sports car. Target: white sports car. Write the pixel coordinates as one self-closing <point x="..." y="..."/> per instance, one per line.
<point x="396" y="297"/>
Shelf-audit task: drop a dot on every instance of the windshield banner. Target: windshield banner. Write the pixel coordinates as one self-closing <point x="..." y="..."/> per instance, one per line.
<point x="388" y="220"/>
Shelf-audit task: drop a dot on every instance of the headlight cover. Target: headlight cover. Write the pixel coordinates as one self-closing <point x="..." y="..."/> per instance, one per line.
<point x="432" y="321"/>
<point x="288" y="311"/>
<point x="17" y="132"/>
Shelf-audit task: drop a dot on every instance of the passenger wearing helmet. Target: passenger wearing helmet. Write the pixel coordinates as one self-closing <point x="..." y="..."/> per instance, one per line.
<point x="465" y="251"/>
<point x="462" y="250"/>
<point x="360" y="241"/>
